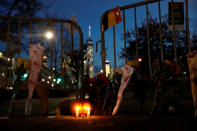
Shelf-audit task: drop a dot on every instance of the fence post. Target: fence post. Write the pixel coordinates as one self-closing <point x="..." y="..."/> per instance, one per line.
<point x="114" y="39"/>
<point x="136" y="35"/>
<point x="187" y="25"/>
<point x="148" y="41"/>
<point x="160" y="32"/>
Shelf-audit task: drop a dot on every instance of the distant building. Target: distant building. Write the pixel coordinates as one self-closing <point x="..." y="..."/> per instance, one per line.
<point x="89" y="62"/>
<point x="108" y="68"/>
<point x="44" y="61"/>
<point x="6" y="74"/>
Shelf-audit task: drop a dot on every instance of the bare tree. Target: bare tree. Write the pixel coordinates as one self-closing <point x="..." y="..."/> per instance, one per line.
<point x="20" y="8"/>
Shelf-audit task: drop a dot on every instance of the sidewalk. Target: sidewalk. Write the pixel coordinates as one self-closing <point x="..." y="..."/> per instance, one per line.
<point x="98" y="123"/>
<point x="128" y="118"/>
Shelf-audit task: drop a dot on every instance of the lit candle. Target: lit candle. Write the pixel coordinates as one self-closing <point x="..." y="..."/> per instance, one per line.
<point x="77" y="113"/>
<point x="88" y="113"/>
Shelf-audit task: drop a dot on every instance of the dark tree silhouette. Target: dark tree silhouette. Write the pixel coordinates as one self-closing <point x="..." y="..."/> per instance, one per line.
<point x="167" y="36"/>
<point x="194" y="41"/>
<point x="18" y="8"/>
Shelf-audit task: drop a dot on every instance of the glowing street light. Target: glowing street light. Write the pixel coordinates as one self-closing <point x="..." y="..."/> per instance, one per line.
<point x="140" y="60"/>
<point x="49" y="35"/>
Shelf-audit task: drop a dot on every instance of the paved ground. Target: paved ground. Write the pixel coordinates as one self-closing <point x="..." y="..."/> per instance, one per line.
<point x="128" y="118"/>
<point x="120" y="122"/>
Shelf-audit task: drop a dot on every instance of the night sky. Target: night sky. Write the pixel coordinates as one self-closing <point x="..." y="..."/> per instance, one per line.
<point x="90" y="11"/>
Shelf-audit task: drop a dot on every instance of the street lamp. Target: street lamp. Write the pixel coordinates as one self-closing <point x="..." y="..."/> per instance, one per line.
<point x="139" y="59"/>
<point x="49" y="35"/>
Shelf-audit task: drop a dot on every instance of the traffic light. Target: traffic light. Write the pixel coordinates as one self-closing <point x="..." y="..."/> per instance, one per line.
<point x="23" y="77"/>
<point x="58" y="80"/>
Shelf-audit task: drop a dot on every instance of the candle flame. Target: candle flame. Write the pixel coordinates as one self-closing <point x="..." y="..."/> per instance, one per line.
<point x="82" y="109"/>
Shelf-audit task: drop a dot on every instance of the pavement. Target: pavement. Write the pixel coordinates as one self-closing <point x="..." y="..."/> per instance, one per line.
<point x="94" y="123"/>
<point x="128" y="118"/>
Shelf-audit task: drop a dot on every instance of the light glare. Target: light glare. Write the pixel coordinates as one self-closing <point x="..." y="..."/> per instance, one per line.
<point x="49" y="35"/>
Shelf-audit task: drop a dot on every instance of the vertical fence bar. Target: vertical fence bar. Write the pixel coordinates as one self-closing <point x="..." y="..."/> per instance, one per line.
<point x="103" y="52"/>
<point x="187" y="25"/>
<point x="7" y="53"/>
<point x="136" y="35"/>
<point x="51" y="59"/>
<point x="124" y="35"/>
<point x="40" y="33"/>
<point x="72" y="39"/>
<point x="114" y="39"/>
<point x="160" y="32"/>
<point x="174" y="32"/>
<point x="19" y="38"/>
<point x="30" y="34"/>
<point x="61" y="39"/>
<point x="148" y="41"/>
